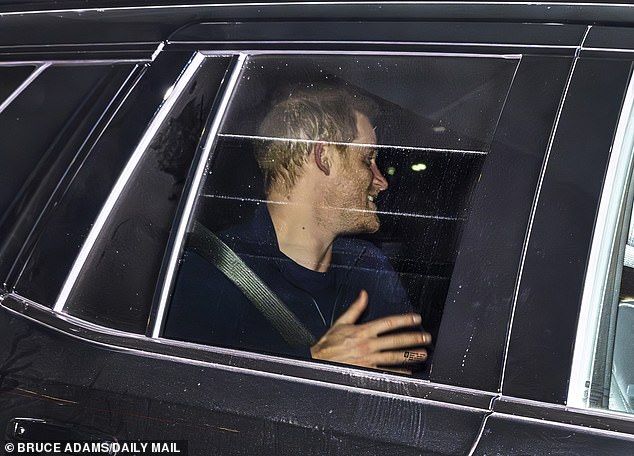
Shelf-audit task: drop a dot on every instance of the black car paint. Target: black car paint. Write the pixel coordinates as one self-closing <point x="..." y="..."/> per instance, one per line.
<point x="562" y="233"/>
<point x="505" y="195"/>
<point x="229" y="402"/>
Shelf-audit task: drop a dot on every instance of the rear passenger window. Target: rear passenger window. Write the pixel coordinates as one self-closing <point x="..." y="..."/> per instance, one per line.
<point x="42" y="135"/>
<point x="329" y="175"/>
<point x="118" y="277"/>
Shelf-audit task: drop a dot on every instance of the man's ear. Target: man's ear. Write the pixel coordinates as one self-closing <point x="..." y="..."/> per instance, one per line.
<point x="321" y="158"/>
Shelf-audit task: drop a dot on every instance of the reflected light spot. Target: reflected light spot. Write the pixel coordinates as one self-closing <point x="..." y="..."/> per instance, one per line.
<point x="391" y="171"/>
<point x="419" y="167"/>
<point x="168" y="92"/>
<point x="439" y="129"/>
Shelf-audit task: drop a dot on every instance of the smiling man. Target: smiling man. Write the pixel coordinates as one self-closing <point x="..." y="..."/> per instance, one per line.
<point x="317" y="153"/>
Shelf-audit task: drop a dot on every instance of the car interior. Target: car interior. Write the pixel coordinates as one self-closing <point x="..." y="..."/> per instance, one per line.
<point x="428" y="151"/>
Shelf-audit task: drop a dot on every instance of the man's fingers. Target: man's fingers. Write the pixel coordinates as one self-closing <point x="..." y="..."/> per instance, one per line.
<point x="409" y="339"/>
<point x="394" y="358"/>
<point x="386" y="324"/>
<point x="415" y="356"/>
<point x="352" y="314"/>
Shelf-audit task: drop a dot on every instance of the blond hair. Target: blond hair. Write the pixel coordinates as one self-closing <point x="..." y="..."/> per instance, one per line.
<point x="295" y="122"/>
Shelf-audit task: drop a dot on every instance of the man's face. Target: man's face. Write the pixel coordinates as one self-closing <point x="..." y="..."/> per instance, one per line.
<point x="358" y="182"/>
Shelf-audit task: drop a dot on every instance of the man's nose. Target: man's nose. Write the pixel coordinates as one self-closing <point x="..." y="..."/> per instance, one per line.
<point x="378" y="180"/>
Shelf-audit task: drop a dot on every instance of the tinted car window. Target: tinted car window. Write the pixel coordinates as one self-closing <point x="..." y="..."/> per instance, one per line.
<point x="41" y="133"/>
<point x="101" y="156"/>
<point x="130" y="248"/>
<point x="433" y="118"/>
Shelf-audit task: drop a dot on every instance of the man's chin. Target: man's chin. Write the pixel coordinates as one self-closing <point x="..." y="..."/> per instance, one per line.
<point x="370" y="226"/>
<point x="374" y="228"/>
<point x="368" y="223"/>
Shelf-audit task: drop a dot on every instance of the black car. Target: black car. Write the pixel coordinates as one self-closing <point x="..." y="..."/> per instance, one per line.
<point x="505" y="132"/>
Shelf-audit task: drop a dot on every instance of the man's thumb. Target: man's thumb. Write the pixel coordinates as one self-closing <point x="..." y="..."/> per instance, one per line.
<point x="352" y="314"/>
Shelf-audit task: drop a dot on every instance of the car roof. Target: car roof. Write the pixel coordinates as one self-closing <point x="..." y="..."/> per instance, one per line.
<point x="44" y="23"/>
<point x="597" y="12"/>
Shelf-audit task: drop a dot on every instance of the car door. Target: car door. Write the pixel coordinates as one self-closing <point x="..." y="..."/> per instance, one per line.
<point x="89" y="279"/>
<point x="566" y="365"/>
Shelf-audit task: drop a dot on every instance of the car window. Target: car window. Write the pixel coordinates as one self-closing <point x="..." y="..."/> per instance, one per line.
<point x="41" y="130"/>
<point x="603" y="363"/>
<point x="400" y="140"/>
<point x="95" y="154"/>
<point x="117" y="280"/>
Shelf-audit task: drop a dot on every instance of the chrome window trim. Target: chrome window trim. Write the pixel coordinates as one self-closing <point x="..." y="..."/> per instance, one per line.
<point x="604" y="237"/>
<point x="167" y="284"/>
<point x="72" y="62"/>
<point x="73" y="45"/>
<point x="276" y="52"/>
<point x="172" y="95"/>
<point x="625" y="51"/>
<point x="27" y="82"/>
<point x="383" y="43"/>
<point x="157" y="51"/>
<point x="534" y="206"/>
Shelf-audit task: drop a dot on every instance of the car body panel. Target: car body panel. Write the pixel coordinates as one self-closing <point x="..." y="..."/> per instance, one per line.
<point x="554" y="268"/>
<point x="501" y="367"/>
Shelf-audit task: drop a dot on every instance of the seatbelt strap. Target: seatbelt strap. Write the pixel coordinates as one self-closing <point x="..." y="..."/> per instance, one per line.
<point x="205" y="243"/>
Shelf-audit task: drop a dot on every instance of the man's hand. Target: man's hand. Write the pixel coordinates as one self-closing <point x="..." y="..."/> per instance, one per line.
<point x="364" y="344"/>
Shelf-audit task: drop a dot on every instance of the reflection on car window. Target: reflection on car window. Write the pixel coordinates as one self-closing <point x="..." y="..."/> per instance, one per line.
<point x="62" y="105"/>
<point x="343" y="184"/>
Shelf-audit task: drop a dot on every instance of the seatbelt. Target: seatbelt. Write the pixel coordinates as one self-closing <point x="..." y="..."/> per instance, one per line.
<point x="205" y="243"/>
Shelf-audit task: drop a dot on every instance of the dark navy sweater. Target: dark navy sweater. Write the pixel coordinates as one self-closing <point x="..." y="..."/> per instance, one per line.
<point x="207" y="308"/>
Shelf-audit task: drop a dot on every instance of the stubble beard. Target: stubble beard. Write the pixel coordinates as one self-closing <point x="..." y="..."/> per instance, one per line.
<point x="347" y="218"/>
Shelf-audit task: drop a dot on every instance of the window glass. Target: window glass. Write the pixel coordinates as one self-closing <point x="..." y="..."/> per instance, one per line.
<point x="130" y="248"/>
<point x="331" y="175"/>
<point x="40" y="134"/>
<point x="100" y="151"/>
<point x="11" y="77"/>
